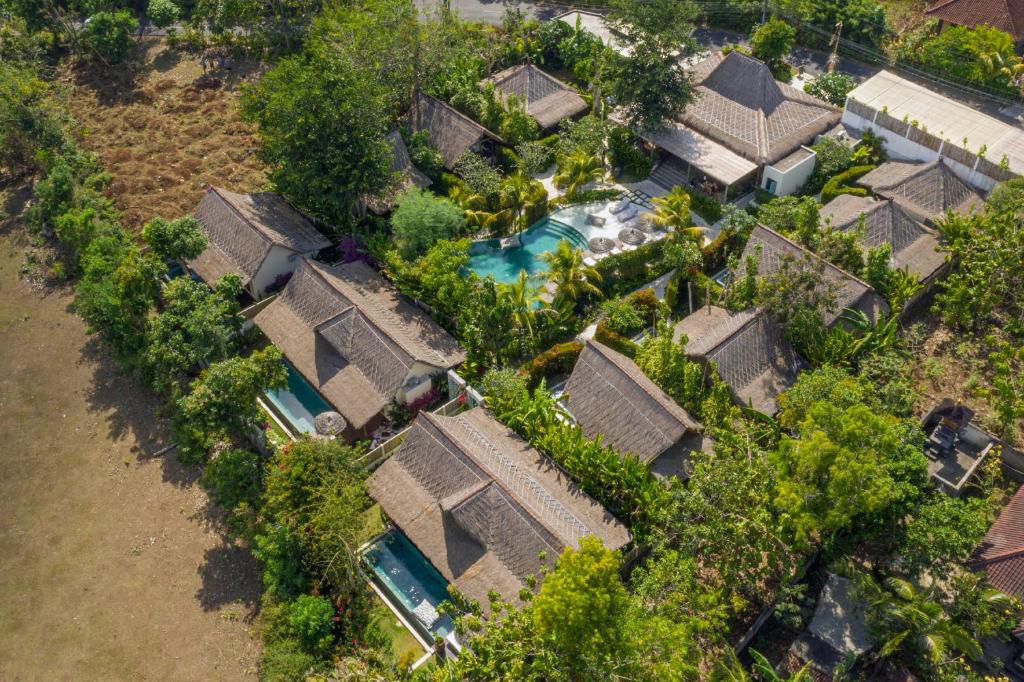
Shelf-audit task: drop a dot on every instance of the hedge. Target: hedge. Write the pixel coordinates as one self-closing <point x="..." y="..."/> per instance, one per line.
<point x="615" y="341"/>
<point x="707" y="208"/>
<point x="839" y="183"/>
<point x="559" y="359"/>
<point x="623" y="272"/>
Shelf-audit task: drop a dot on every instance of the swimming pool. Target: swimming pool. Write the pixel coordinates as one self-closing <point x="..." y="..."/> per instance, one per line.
<point x="488" y="259"/>
<point x="408" y="578"/>
<point x="298" y="402"/>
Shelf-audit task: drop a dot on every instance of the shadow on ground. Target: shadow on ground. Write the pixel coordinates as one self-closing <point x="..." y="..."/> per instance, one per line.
<point x="230" y="575"/>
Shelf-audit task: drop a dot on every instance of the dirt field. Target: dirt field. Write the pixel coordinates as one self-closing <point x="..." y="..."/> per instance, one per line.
<point x="110" y="568"/>
<point x="163" y="132"/>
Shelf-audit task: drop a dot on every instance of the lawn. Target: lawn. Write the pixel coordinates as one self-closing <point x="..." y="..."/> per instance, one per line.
<point x="406" y="647"/>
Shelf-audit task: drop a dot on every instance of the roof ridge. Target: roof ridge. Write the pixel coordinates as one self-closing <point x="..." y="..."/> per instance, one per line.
<point x="758" y="312"/>
<point x="462" y="116"/>
<point x="996" y="558"/>
<point x="815" y="256"/>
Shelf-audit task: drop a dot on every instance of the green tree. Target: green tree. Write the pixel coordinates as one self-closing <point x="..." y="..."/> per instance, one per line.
<point x="194" y="326"/>
<point x="942" y="533"/>
<point x="322" y="121"/>
<point x="672" y="213"/>
<point x="280" y="552"/>
<point x="831" y="87"/>
<point x="180" y="239"/>
<point x="796" y="217"/>
<point x="522" y="297"/>
<point x="420" y="220"/>
<point x="895" y="286"/>
<point x="1006" y="394"/>
<point x="109" y="35"/>
<point x="309" y="618"/>
<point x="834" y="472"/>
<point x="221" y="403"/>
<point x="573" y="279"/>
<point x="162" y="13"/>
<point x="521" y="197"/>
<point x="771" y="42"/>
<point x="234" y="481"/>
<point x="799" y="297"/>
<point x="30" y="120"/>
<point x="436" y="277"/>
<point x="664" y="361"/>
<point x="576" y="170"/>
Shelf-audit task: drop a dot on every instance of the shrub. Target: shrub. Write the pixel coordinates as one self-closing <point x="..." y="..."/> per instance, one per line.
<point x="772" y="41"/>
<point x="831" y="87"/>
<point x="832" y="156"/>
<point x="180" y="239"/>
<point x="506" y="158"/>
<point x="706" y="207"/>
<point x="839" y="184"/>
<point x="624" y="152"/>
<point x="535" y="157"/>
<point x="614" y="340"/>
<point x="421" y="219"/>
<point x="233" y="478"/>
<point x="162" y="13"/>
<point x="285" y="661"/>
<point x="309" y="619"/>
<point x="478" y="175"/>
<point x="559" y="359"/>
<point x="424" y="155"/>
<point x="109" y="35"/>
<point x="586" y="197"/>
<point x="621" y="316"/>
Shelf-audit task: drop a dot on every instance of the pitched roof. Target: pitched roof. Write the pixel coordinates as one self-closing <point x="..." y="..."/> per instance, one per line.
<point x="481" y="504"/>
<point x="609" y="396"/>
<point x="771" y="248"/>
<point x="914" y="246"/>
<point x="1001" y="552"/>
<point x="547" y="99"/>
<point x="349" y="332"/>
<point x="407" y="175"/>
<point x="242" y="228"/>
<point x="925" y="190"/>
<point x="1006" y="15"/>
<point x="749" y="350"/>
<point x="451" y="132"/>
<point x="741" y="105"/>
<point x="712" y="158"/>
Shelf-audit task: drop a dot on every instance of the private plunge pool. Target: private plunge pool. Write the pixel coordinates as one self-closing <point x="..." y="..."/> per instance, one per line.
<point x="298" y="403"/>
<point x="411" y="583"/>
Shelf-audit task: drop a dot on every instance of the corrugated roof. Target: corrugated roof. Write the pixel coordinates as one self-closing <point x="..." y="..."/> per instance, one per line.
<point x="1006" y="15"/>
<point x="941" y="116"/>
<point x="609" y="396"/>
<point x="547" y="99"/>
<point x="481" y="504"/>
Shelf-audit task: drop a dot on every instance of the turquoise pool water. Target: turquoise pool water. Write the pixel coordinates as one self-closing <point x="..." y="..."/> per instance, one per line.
<point x="408" y="577"/>
<point x="298" y="402"/>
<point x="488" y="260"/>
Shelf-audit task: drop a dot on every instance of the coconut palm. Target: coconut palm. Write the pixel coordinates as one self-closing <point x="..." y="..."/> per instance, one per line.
<point x="905" y="618"/>
<point x="672" y="213"/>
<point x="522" y="296"/>
<point x="519" y="195"/>
<point x="577" y="169"/>
<point x="571" y="276"/>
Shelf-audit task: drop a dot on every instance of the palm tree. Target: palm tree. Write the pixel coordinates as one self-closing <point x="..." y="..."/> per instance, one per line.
<point x="519" y="195"/>
<point x="904" y="617"/>
<point x="521" y="296"/>
<point x="484" y="220"/>
<point x="577" y="169"/>
<point x="672" y="213"/>
<point x="571" y="277"/>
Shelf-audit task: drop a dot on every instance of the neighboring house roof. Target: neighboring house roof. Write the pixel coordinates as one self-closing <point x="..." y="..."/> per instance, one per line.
<point x="914" y="246"/>
<point x="451" y="132"/>
<point x="749" y="350"/>
<point x="1006" y="15"/>
<point x="350" y="333"/>
<point x="547" y="99"/>
<point x="609" y="396"/>
<point x="771" y="248"/>
<point x="940" y="124"/>
<point x="837" y="630"/>
<point x="407" y="175"/>
<point x="925" y="190"/>
<point x="481" y="504"/>
<point x="1001" y="552"/>
<point x="741" y="105"/>
<point x="242" y="228"/>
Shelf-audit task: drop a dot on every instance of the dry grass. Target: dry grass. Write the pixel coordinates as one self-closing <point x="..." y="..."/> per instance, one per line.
<point x="164" y="132"/>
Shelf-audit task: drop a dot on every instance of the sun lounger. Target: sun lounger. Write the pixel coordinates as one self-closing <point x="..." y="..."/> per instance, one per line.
<point x="619" y="206"/>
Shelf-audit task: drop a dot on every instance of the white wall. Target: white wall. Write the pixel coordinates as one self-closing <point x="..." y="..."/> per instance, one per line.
<point x="899" y="148"/>
<point x="417" y="382"/>
<point x="278" y="262"/>
<point x="789" y="181"/>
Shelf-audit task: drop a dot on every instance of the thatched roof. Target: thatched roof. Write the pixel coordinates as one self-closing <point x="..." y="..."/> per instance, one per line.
<point x="481" y="504"/>
<point x="740" y="105"/>
<point x="714" y="159"/>
<point x="771" y="248"/>
<point x="609" y="396"/>
<point x="451" y="132"/>
<point x="749" y="350"/>
<point x="242" y="228"/>
<point x="1006" y="15"/>
<point x="914" y="246"/>
<point x="547" y="99"/>
<point x="353" y="337"/>
<point x="925" y="190"/>
<point x="406" y="176"/>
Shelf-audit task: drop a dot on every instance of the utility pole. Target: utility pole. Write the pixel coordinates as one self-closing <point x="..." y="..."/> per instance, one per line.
<point x="833" y="57"/>
<point x="764" y="11"/>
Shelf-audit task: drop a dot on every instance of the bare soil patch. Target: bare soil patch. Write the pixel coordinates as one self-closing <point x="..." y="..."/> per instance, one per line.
<point x="164" y="130"/>
<point x="110" y="565"/>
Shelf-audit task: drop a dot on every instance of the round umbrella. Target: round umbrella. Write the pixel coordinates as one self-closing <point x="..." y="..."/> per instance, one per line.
<point x="329" y="423"/>
<point x="645" y="224"/>
<point x="631" y="235"/>
<point x="601" y="244"/>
